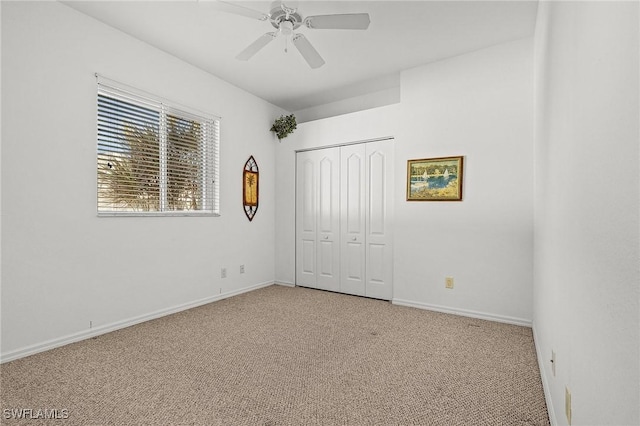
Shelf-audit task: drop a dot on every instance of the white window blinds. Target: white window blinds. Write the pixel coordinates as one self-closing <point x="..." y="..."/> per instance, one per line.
<point x="154" y="158"/>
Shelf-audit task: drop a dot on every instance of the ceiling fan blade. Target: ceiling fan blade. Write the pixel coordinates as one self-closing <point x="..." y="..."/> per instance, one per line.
<point x="347" y="21"/>
<point x="254" y="47"/>
<point x="308" y="52"/>
<point x="237" y="9"/>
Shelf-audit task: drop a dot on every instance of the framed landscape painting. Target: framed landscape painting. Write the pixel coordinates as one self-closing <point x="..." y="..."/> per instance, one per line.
<point x="435" y="179"/>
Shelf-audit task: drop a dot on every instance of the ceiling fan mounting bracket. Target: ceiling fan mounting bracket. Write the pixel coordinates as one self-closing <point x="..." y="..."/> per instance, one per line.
<point x="279" y="14"/>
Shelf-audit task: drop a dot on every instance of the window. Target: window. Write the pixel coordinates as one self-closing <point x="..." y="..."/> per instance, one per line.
<point x="154" y="158"/>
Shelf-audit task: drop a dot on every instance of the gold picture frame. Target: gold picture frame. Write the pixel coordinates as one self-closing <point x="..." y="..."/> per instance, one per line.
<point x="435" y="179"/>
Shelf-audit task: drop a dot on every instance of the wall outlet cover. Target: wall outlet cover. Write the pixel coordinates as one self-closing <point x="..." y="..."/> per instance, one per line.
<point x="448" y="282"/>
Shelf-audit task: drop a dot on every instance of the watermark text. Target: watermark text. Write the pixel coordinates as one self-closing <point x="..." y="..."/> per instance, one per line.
<point x="35" y="413"/>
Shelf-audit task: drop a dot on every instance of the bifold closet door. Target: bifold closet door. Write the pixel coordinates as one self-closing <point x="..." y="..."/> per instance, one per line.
<point x="379" y="219"/>
<point x="353" y="219"/>
<point x="365" y="228"/>
<point x="343" y="219"/>
<point x="318" y="219"/>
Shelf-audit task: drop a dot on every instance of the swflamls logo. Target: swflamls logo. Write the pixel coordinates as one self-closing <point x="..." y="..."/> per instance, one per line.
<point x="35" y="413"/>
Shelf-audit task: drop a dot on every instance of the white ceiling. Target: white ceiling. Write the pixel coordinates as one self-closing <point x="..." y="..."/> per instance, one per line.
<point x="402" y="35"/>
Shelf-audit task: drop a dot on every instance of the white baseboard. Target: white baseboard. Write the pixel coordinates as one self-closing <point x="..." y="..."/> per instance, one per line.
<point x="545" y="380"/>
<point x="285" y="283"/>
<point x="97" y="331"/>
<point x="464" y="312"/>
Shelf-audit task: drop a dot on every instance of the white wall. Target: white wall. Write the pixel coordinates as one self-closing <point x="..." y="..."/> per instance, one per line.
<point x="478" y="105"/>
<point x="62" y="266"/>
<point x="586" y="286"/>
<point x="346" y="106"/>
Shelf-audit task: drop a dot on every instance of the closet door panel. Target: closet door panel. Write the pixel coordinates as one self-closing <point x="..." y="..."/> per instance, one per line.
<point x="306" y="194"/>
<point x="376" y="261"/>
<point x="353" y="174"/>
<point x="308" y="262"/>
<point x="353" y="222"/>
<point x="379" y="196"/>
<point x="328" y="277"/>
<point x="377" y="193"/>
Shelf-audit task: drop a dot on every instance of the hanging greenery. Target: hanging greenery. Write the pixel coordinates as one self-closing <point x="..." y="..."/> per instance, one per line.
<point x="284" y="125"/>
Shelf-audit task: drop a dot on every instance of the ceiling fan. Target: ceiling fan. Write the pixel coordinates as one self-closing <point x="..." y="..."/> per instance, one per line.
<point x="286" y="19"/>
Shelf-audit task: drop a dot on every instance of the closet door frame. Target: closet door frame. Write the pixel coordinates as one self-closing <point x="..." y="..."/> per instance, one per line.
<point x="369" y="280"/>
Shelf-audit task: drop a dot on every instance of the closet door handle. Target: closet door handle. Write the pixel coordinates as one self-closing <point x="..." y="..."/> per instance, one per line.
<point x="354" y="239"/>
<point x="326" y="237"/>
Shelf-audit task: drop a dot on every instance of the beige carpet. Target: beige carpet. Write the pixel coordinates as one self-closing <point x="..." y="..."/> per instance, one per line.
<point x="288" y="356"/>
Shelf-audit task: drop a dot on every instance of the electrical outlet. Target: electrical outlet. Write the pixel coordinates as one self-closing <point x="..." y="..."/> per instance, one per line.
<point x="567" y="404"/>
<point x="448" y="282"/>
<point x="242" y="269"/>
<point x="223" y="273"/>
<point x="553" y="363"/>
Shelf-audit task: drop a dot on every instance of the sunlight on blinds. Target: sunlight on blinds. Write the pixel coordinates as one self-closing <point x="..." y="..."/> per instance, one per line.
<point x="154" y="158"/>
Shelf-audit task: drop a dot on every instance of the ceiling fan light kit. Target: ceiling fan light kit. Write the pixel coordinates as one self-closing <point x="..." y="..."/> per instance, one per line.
<point x="286" y="20"/>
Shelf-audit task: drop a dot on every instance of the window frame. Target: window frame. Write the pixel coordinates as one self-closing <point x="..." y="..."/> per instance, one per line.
<point x="210" y="158"/>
